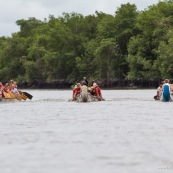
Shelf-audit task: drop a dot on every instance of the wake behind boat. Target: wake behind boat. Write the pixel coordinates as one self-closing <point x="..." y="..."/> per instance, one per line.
<point x="8" y="100"/>
<point x="85" y="96"/>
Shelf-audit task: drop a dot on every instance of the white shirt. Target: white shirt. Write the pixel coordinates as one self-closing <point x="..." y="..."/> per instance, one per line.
<point x="15" y="91"/>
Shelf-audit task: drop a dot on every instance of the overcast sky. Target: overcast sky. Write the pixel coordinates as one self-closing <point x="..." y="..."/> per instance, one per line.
<point x="13" y="10"/>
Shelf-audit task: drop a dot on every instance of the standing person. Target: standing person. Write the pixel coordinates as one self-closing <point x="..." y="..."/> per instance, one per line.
<point x="85" y="81"/>
<point x="166" y="91"/>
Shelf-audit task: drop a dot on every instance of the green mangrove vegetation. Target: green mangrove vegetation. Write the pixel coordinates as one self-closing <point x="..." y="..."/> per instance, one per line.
<point x="117" y="49"/>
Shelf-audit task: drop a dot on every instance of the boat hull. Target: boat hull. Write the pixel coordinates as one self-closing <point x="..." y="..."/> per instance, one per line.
<point x="8" y="100"/>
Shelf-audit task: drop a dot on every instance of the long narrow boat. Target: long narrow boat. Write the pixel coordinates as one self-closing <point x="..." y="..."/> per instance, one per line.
<point x="85" y="96"/>
<point x="10" y="97"/>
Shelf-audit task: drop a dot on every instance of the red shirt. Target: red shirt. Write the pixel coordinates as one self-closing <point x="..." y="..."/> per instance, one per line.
<point x="98" y="91"/>
<point x="6" y="90"/>
<point x="77" y="90"/>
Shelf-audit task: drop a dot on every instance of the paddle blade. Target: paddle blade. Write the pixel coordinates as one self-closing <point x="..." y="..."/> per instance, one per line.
<point x="29" y="96"/>
<point x="23" y="96"/>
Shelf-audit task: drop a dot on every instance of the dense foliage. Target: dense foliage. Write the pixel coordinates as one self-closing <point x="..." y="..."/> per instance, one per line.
<point x="130" y="45"/>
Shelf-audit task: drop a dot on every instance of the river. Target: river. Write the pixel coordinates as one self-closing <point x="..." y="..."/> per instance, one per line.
<point x="129" y="132"/>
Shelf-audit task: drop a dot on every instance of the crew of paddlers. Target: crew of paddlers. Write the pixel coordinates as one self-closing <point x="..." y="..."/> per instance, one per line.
<point x="94" y="89"/>
<point x="11" y="91"/>
<point x="164" y="91"/>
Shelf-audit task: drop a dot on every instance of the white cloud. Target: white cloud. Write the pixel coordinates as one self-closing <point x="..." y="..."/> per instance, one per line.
<point x="13" y="10"/>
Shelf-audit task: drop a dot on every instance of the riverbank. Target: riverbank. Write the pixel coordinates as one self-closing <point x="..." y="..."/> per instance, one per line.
<point x="121" y="84"/>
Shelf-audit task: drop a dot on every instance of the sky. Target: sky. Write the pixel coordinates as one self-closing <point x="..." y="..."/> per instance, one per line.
<point x="13" y="10"/>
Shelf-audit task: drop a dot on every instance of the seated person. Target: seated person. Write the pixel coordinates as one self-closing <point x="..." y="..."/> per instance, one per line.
<point x="96" y="91"/>
<point x="166" y="90"/>
<point x="6" y="87"/>
<point x="76" y="91"/>
<point x="159" y="91"/>
<point x="1" y="90"/>
<point x="14" y="90"/>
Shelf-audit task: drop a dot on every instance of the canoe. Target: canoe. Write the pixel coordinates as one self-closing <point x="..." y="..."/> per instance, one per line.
<point x="20" y="96"/>
<point x="88" y="98"/>
<point x="85" y="96"/>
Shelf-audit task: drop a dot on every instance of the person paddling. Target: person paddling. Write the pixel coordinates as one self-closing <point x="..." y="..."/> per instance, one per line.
<point x="76" y="91"/>
<point x="96" y="91"/>
<point x="166" y="96"/>
<point x="1" y="90"/>
<point x="159" y="91"/>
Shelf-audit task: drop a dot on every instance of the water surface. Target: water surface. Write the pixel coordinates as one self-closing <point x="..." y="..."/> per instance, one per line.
<point x="128" y="133"/>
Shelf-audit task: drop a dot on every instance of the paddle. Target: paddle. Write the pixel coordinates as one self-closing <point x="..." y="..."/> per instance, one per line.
<point x="29" y="96"/>
<point x="22" y="96"/>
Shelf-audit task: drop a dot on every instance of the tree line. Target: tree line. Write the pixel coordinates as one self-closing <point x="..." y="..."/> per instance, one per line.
<point x="129" y="47"/>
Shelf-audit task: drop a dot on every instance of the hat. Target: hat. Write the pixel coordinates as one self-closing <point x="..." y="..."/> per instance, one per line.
<point x="94" y="84"/>
<point x="167" y="80"/>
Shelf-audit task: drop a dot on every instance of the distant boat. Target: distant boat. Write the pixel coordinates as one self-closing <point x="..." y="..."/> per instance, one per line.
<point x="166" y="95"/>
<point x="85" y="96"/>
<point x="9" y="96"/>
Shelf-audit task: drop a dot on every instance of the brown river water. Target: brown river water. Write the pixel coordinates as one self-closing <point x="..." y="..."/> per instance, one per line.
<point x="129" y="132"/>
